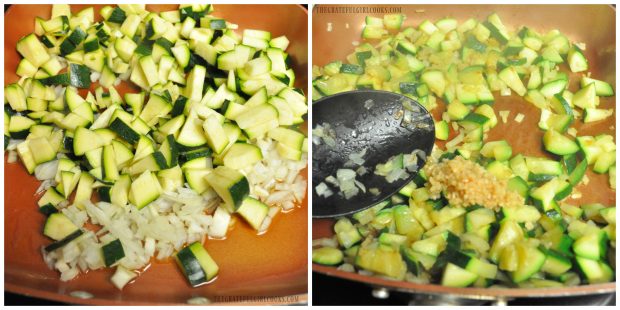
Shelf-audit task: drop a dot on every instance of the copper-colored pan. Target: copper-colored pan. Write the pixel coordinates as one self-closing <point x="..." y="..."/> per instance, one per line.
<point x="268" y="269"/>
<point x="592" y="24"/>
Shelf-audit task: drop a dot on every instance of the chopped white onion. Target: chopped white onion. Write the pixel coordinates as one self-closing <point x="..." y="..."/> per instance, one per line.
<point x="456" y="141"/>
<point x="361" y="170"/>
<point x="455" y="126"/>
<point x="409" y="106"/>
<point x="12" y="157"/>
<point x="344" y="175"/>
<point x="94" y="76"/>
<point x="122" y="276"/>
<point x="329" y="141"/>
<point x="325" y="242"/>
<point x="13" y="144"/>
<point x="396" y="175"/>
<point x="323" y="190"/>
<point x="572" y="131"/>
<point x="198" y="301"/>
<point x="360" y="185"/>
<point x="265" y="225"/>
<point x="325" y="132"/>
<point x="346" y="267"/>
<point x="330" y="179"/>
<point x="46" y="171"/>
<point x="357" y="158"/>
<point x="45" y="185"/>
<point x="346" y="180"/>
<point x="519" y="118"/>
<point x="81" y="294"/>
<point x="504" y="115"/>
<point x="505" y="91"/>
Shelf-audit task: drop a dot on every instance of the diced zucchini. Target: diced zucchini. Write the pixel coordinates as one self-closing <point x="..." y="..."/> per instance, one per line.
<point x="435" y="81"/>
<point x="576" y="60"/>
<point x="62" y="242"/>
<point x="558" y="144"/>
<point x="16" y="97"/>
<point x="230" y="185"/>
<point x="455" y="276"/>
<point x="442" y="130"/>
<point x="192" y="133"/>
<point x="48" y="202"/>
<point x="529" y="261"/>
<point x="586" y="97"/>
<point x="431" y="246"/>
<point x="33" y="50"/>
<point x="382" y="260"/>
<point x="510" y="76"/>
<point x="144" y="190"/>
<point x="595" y="271"/>
<point x="156" y="107"/>
<point x="327" y="256"/>
<point x="85" y="140"/>
<point x="393" y="21"/>
<point x="592" y="245"/>
<point x="497" y="29"/>
<point x="196" y="263"/>
<point x="215" y="135"/>
<point x="253" y="211"/>
<point x="241" y="155"/>
<point x="595" y="115"/>
<point x="112" y="252"/>
<point x="602" y="88"/>
<point x="58" y="226"/>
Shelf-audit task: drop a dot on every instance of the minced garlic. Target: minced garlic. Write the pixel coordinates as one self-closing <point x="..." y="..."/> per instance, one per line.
<point x="465" y="183"/>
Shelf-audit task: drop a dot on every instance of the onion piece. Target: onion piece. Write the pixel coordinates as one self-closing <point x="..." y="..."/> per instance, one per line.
<point x="396" y="175"/>
<point x="456" y="141"/>
<point x="572" y="131"/>
<point x="12" y="157"/>
<point x="504" y="115"/>
<point x="326" y="132"/>
<point x="361" y="170"/>
<point x="94" y="76"/>
<point x="360" y="185"/>
<point x="46" y="171"/>
<point x="13" y="144"/>
<point x="323" y="190"/>
<point x="332" y="180"/>
<point x="45" y="185"/>
<point x="519" y="118"/>
<point x="505" y="91"/>
<point x="357" y="158"/>
<point x="346" y="180"/>
<point x="346" y="267"/>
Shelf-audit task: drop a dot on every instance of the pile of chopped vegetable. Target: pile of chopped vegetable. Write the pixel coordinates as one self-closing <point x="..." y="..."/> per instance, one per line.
<point x="213" y="133"/>
<point x="459" y="67"/>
